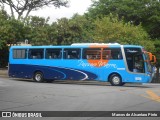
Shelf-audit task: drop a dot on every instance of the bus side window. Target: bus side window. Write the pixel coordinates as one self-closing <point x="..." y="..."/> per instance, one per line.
<point x="106" y="54"/>
<point x="36" y="53"/>
<point x="89" y="57"/>
<point x="112" y="53"/>
<point x="53" y="53"/>
<point x="19" y="53"/>
<point x="92" y="53"/>
<point x="72" y="53"/>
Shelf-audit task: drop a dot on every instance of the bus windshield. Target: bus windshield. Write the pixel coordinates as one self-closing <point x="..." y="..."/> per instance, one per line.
<point x="135" y="60"/>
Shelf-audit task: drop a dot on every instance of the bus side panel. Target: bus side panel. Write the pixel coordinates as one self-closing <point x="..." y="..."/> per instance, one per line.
<point x="136" y="78"/>
<point x="27" y="71"/>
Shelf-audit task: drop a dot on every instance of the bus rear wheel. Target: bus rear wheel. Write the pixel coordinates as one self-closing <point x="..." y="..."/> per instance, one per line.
<point x="38" y="77"/>
<point x="115" y="80"/>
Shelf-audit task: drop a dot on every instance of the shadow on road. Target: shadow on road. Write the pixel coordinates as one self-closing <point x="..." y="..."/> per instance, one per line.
<point x="95" y="83"/>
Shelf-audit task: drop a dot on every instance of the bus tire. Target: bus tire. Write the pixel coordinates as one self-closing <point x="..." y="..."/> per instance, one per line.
<point x="115" y="80"/>
<point x="38" y="77"/>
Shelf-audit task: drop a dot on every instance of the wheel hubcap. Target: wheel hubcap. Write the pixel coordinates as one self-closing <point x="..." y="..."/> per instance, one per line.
<point x="116" y="80"/>
<point x="38" y="77"/>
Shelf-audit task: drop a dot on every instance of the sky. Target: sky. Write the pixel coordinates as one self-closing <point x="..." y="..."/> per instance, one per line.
<point x="75" y="6"/>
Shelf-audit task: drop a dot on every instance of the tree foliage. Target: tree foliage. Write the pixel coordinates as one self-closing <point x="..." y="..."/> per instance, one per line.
<point x="65" y="31"/>
<point x="144" y="12"/>
<point x="110" y="29"/>
<point x="3" y="19"/>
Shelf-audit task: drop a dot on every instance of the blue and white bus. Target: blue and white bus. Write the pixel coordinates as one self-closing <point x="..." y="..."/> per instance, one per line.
<point x="114" y="63"/>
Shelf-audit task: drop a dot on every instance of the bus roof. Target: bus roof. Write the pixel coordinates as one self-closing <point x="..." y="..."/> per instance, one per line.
<point x="80" y="45"/>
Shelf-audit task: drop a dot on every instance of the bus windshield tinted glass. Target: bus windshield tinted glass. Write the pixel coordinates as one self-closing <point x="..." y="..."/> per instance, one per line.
<point x="135" y="60"/>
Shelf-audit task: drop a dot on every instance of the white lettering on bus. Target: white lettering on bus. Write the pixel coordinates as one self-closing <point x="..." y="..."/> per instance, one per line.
<point x="83" y="64"/>
<point x="110" y="65"/>
<point x="100" y="63"/>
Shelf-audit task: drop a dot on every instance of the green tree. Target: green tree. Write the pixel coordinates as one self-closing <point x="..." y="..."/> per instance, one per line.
<point x="63" y="31"/>
<point x="52" y="33"/>
<point x="82" y="27"/>
<point x="144" y="12"/>
<point x="36" y="30"/>
<point x="11" y="30"/>
<point x="3" y="18"/>
<point x="3" y="46"/>
<point x="74" y="30"/>
<point x="110" y="29"/>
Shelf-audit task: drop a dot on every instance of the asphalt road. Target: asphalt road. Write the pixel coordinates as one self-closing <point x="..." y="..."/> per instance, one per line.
<point x="26" y="95"/>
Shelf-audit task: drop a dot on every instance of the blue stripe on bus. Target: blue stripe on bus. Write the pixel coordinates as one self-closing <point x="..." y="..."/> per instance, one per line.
<point x="27" y="71"/>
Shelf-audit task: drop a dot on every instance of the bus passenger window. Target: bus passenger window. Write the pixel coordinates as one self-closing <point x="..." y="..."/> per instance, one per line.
<point x="72" y="53"/>
<point x="36" y="54"/>
<point x="112" y="53"/>
<point x="93" y="54"/>
<point x="106" y="54"/>
<point x="53" y="53"/>
<point x="19" y="53"/>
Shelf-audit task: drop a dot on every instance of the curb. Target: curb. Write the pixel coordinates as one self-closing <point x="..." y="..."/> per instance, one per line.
<point x="3" y="73"/>
<point x="4" y="76"/>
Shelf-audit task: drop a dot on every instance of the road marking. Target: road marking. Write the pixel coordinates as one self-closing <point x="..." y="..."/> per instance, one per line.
<point x="153" y="96"/>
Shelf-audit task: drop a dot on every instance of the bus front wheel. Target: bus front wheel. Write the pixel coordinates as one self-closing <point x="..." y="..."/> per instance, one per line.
<point x="115" y="80"/>
<point x="38" y="77"/>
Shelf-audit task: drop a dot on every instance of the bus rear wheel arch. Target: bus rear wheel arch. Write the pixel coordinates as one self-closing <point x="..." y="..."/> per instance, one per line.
<point x="38" y="76"/>
<point x="115" y="80"/>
